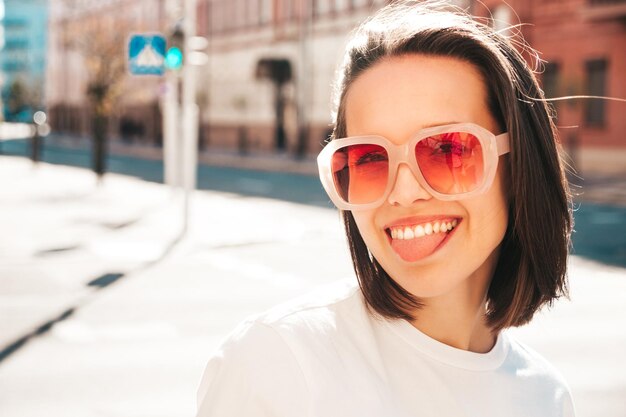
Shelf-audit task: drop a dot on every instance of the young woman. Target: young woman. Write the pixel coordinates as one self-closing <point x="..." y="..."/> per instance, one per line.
<point x="444" y="164"/>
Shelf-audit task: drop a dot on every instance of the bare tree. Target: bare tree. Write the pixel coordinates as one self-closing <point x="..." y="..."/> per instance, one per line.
<point x="101" y="43"/>
<point x="18" y="98"/>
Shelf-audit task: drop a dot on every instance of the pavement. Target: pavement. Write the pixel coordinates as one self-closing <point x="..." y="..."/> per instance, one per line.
<point x="255" y="160"/>
<point x="106" y="310"/>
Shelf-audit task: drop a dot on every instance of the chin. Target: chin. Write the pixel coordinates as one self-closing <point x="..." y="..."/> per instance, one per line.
<point x="428" y="287"/>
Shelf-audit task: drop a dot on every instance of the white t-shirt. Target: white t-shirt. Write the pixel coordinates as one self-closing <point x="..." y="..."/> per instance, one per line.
<point x="325" y="355"/>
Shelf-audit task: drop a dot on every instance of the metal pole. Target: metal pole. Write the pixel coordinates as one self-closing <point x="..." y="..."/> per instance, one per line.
<point x="39" y="119"/>
<point x="190" y="110"/>
<point x="304" y="77"/>
<point x="35" y="150"/>
<point x="171" y="110"/>
<point x="171" y="129"/>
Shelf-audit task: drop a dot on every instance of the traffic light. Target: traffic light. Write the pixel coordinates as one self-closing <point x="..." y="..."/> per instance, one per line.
<point x="176" y="47"/>
<point x="174" y="58"/>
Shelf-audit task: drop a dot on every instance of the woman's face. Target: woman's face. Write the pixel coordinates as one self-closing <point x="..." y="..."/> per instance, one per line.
<point x="396" y="98"/>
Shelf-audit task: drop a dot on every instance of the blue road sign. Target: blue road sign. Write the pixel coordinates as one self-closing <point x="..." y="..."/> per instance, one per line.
<point x="146" y="54"/>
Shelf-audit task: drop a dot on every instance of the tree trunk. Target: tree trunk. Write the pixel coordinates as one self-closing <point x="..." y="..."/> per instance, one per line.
<point x="279" y="103"/>
<point x="35" y="146"/>
<point x="303" y="140"/>
<point x="99" y="129"/>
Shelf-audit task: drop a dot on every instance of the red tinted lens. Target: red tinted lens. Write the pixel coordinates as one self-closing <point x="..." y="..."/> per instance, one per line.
<point x="360" y="173"/>
<point x="451" y="163"/>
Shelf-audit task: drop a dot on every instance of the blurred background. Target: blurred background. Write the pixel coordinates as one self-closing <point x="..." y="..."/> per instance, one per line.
<point x="158" y="184"/>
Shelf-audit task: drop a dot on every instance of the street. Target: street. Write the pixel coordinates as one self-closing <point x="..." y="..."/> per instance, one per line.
<point x="600" y="228"/>
<point x="105" y="312"/>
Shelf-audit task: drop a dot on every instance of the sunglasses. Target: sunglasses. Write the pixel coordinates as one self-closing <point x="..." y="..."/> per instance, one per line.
<point x="450" y="162"/>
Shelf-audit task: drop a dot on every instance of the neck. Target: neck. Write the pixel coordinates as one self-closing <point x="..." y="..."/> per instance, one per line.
<point x="460" y="328"/>
<point x="458" y="318"/>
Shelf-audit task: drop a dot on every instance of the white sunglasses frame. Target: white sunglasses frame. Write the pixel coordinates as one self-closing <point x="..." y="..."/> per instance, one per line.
<point x="493" y="147"/>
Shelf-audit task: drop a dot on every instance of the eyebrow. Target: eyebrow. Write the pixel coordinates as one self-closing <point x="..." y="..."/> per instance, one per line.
<point x="426" y="126"/>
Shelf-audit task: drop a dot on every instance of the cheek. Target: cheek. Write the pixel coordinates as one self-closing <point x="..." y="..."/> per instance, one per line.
<point x="489" y="212"/>
<point x="365" y="223"/>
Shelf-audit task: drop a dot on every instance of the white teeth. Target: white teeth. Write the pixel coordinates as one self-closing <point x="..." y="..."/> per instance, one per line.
<point x="406" y="233"/>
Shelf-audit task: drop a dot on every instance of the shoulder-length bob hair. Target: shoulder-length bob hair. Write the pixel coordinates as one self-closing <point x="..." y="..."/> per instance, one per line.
<point x="531" y="269"/>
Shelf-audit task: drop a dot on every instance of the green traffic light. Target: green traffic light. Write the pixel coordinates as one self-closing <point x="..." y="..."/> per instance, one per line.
<point x="174" y="58"/>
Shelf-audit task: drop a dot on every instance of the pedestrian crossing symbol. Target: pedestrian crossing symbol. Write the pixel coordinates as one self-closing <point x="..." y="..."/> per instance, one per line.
<point x="146" y="54"/>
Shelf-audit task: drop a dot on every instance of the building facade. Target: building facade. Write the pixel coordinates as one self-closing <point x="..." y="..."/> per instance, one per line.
<point x="268" y="81"/>
<point x="250" y="41"/>
<point x="23" y="30"/>
<point x="582" y="44"/>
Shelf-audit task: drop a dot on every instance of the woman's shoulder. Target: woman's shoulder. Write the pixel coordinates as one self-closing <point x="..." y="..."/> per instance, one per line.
<point x="310" y="314"/>
<point x="307" y="323"/>
<point x="522" y="355"/>
<point x="265" y="354"/>
<point x="323" y="304"/>
<point x="538" y="373"/>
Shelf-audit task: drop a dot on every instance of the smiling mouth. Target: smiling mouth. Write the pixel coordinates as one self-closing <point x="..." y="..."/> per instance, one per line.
<point x="423" y="229"/>
<point x="415" y="242"/>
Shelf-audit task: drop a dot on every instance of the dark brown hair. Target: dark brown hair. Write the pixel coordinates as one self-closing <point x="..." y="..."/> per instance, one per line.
<point x="531" y="269"/>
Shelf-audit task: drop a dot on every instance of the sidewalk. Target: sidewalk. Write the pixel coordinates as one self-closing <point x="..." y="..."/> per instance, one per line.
<point x="137" y="346"/>
<point x="143" y="313"/>
<point x="257" y="160"/>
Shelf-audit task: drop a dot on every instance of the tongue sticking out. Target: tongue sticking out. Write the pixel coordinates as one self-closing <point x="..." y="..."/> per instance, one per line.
<point x="412" y="250"/>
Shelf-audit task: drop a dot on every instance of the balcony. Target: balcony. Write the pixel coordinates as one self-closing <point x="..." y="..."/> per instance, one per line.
<point x="597" y="10"/>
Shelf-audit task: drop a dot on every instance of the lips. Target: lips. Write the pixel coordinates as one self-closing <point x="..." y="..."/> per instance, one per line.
<point x="415" y="238"/>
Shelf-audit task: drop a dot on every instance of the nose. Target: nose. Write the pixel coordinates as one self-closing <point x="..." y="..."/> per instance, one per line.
<point x="406" y="188"/>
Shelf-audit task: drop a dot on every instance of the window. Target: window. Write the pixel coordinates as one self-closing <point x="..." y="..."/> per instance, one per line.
<point x="265" y="14"/>
<point x="239" y="14"/>
<point x="550" y="83"/>
<point x="204" y="18"/>
<point x="288" y="10"/>
<point x="502" y="18"/>
<point x="14" y="66"/>
<point x="282" y="10"/>
<point x="321" y="7"/>
<point x="217" y="14"/>
<point x="360" y="3"/>
<point x="16" y="43"/>
<point x="342" y="5"/>
<point x="550" y="80"/>
<point x="15" y="23"/>
<point x="253" y="13"/>
<point x="595" y="86"/>
<point x="230" y="15"/>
